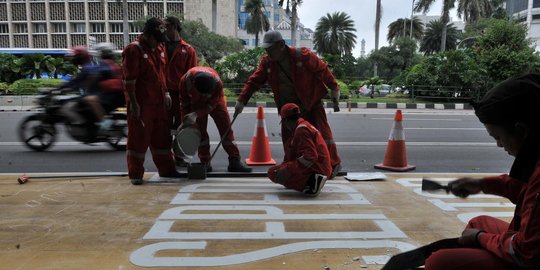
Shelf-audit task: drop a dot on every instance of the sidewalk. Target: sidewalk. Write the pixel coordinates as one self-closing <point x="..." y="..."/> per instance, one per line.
<point x="28" y="103"/>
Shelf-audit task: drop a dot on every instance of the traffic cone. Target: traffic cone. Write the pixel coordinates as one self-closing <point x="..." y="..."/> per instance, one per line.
<point x="395" y="158"/>
<point x="260" y="147"/>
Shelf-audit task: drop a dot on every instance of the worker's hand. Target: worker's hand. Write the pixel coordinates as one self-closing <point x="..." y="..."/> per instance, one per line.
<point x="168" y="100"/>
<point x="335" y="99"/>
<point x="463" y="187"/>
<point x="469" y="238"/>
<point x="238" y="108"/>
<point x="134" y="110"/>
<point x="190" y="119"/>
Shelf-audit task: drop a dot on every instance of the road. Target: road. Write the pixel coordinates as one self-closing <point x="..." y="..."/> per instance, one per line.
<point x="444" y="141"/>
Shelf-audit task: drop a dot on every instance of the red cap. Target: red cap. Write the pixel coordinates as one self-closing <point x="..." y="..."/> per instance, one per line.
<point x="289" y="110"/>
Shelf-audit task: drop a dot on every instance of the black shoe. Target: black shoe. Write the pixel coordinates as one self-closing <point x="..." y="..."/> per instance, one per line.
<point x="235" y="165"/>
<point x="335" y="171"/>
<point x="174" y="174"/>
<point x="318" y="184"/>
<point x="136" y="182"/>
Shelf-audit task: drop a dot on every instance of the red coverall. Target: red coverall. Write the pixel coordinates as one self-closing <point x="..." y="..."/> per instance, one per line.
<point x="183" y="58"/>
<point x="311" y="78"/>
<point x="192" y="101"/>
<point x="308" y="142"/>
<point x="503" y="246"/>
<point x="144" y="73"/>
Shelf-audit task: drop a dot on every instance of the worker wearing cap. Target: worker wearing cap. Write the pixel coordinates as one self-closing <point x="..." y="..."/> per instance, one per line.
<point x="201" y="94"/>
<point x="143" y="64"/>
<point x="296" y="75"/>
<point x="306" y="164"/>
<point x="180" y="58"/>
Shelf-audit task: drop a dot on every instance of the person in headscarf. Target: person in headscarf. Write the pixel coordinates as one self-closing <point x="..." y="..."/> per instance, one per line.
<point x="510" y="112"/>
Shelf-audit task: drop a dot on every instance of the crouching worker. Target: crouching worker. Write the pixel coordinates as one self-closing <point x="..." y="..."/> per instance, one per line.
<point x="510" y="113"/>
<point x="306" y="164"/>
<point x="201" y="94"/>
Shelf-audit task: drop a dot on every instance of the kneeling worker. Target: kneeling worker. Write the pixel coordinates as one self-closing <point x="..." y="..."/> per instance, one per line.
<point x="201" y="94"/>
<point x="306" y="165"/>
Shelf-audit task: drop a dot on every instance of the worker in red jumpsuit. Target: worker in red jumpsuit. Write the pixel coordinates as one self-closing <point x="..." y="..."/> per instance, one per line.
<point x="510" y="114"/>
<point x="296" y="75"/>
<point x="307" y="161"/>
<point x="201" y="94"/>
<point x="180" y="58"/>
<point x="143" y="63"/>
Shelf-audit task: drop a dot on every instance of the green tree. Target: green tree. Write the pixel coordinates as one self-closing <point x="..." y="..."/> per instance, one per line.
<point x="402" y="28"/>
<point x="237" y="67"/>
<point x="472" y="10"/>
<point x="34" y="65"/>
<point x="62" y="67"/>
<point x="432" y="37"/>
<point x="334" y="34"/>
<point x="257" y="21"/>
<point x="210" y="46"/>
<point x="425" y="5"/>
<point x="9" y="68"/>
<point x="395" y="58"/>
<point x="291" y="7"/>
<point x="504" y="50"/>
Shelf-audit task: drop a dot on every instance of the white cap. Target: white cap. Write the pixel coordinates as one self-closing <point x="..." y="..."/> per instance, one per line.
<point x="270" y="38"/>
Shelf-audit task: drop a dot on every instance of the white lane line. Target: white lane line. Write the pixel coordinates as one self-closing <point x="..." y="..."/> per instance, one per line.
<point x="280" y="143"/>
<point x="456" y="128"/>
<point x="417" y="119"/>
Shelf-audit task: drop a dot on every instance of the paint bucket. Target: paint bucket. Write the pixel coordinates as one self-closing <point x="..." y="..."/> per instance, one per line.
<point x="196" y="171"/>
<point x="187" y="140"/>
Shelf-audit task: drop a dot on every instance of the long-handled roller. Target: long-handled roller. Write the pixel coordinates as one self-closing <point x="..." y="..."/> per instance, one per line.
<point x="223" y="138"/>
<point x="25" y="178"/>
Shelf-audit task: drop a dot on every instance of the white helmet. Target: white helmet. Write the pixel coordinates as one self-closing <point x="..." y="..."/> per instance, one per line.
<point x="105" y="50"/>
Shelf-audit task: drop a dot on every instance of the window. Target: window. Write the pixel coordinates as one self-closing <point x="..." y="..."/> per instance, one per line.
<point x="117" y="28"/>
<point x="134" y="28"/>
<point x="40" y="28"/>
<point x="20" y="28"/>
<point x="78" y="27"/>
<point x="98" y="27"/>
<point x="4" y="29"/>
<point x="58" y="27"/>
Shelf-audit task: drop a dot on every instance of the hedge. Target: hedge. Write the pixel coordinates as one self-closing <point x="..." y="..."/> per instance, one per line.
<point x="31" y="86"/>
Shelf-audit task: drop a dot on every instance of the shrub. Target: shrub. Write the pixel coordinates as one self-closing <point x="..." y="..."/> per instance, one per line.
<point x="31" y="86"/>
<point x="4" y="88"/>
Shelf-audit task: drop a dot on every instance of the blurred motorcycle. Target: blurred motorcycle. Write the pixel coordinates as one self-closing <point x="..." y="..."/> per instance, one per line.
<point x="39" y="131"/>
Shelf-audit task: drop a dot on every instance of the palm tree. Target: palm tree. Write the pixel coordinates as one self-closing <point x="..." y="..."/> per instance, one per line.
<point x="378" y="17"/>
<point x="424" y="5"/>
<point x="432" y="37"/>
<point x="401" y="28"/>
<point x="257" y="21"/>
<point x="291" y="7"/>
<point x="334" y="34"/>
<point x="472" y="10"/>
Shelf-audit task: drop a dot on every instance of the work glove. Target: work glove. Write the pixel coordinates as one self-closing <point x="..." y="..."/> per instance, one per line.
<point x="335" y="99"/>
<point x="190" y="119"/>
<point x="470" y="238"/>
<point x="168" y="100"/>
<point x="238" y="108"/>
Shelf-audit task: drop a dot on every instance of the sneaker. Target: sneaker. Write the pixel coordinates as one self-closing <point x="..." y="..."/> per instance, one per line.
<point x="174" y="174"/>
<point x="318" y="184"/>
<point x="235" y="165"/>
<point x="335" y="171"/>
<point x="136" y="182"/>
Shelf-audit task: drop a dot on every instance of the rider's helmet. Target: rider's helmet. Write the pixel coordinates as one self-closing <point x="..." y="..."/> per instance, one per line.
<point x="79" y="55"/>
<point x="105" y="50"/>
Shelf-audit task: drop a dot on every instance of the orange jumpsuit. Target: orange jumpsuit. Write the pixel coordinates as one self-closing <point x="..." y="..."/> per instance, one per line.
<point x="306" y="142"/>
<point x="144" y="74"/>
<point x="310" y="79"/>
<point x="192" y="101"/>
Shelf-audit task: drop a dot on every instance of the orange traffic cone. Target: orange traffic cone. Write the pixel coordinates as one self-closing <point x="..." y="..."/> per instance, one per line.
<point x="395" y="158"/>
<point x="260" y="147"/>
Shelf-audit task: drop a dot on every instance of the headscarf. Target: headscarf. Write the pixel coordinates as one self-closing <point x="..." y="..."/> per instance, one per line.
<point x="516" y="100"/>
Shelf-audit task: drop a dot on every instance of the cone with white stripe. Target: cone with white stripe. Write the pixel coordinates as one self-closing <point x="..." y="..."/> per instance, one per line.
<point x="395" y="158"/>
<point x="260" y="147"/>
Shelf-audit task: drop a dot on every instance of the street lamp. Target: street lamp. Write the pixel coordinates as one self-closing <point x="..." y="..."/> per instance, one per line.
<point x="412" y="12"/>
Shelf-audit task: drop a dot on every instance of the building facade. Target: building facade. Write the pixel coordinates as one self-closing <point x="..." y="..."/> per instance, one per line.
<point x="65" y="24"/>
<point x="528" y="12"/>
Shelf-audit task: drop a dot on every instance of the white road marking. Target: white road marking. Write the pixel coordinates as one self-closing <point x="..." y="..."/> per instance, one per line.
<point x="490" y="144"/>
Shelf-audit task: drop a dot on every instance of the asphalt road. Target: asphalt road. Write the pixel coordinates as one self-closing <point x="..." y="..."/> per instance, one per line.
<point x="446" y="141"/>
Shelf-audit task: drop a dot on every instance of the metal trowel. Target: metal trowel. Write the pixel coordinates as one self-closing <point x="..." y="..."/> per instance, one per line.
<point x="429" y="185"/>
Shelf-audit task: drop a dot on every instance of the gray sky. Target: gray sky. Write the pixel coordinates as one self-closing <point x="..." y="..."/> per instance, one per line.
<point x="362" y="12"/>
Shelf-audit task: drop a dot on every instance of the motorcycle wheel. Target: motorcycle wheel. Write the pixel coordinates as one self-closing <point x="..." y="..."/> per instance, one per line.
<point x="118" y="141"/>
<point x="36" y="134"/>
